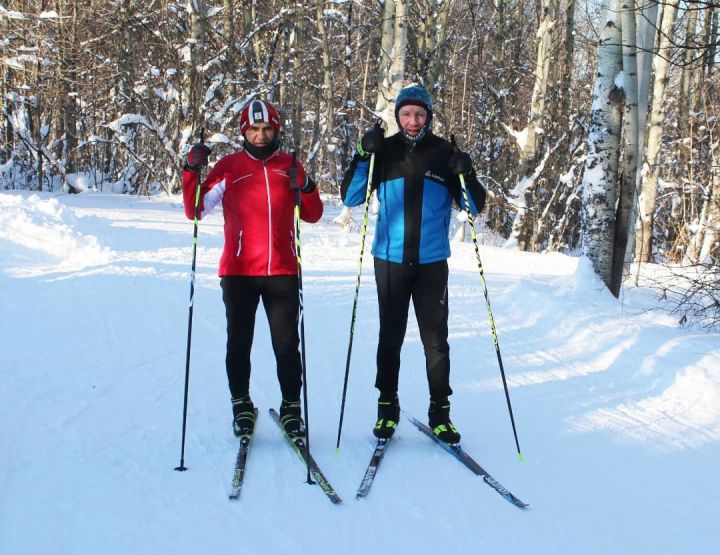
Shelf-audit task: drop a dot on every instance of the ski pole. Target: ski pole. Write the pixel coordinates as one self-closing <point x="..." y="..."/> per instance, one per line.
<point x="196" y="219"/>
<point x="466" y="201"/>
<point x="368" y="192"/>
<point x="301" y="308"/>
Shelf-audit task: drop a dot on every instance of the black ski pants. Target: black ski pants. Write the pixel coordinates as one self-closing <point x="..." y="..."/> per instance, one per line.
<point x="279" y="294"/>
<point x="426" y="285"/>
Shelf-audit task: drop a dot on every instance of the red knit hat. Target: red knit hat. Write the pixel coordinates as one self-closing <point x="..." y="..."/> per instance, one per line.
<point x="257" y="111"/>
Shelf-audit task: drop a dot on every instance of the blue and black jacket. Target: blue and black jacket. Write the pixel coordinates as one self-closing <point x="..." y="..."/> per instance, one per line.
<point x="415" y="190"/>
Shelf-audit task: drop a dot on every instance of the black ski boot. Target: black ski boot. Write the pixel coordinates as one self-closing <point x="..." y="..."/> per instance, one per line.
<point x="388" y="416"/>
<point x="440" y="424"/>
<point x="290" y="419"/>
<point x="243" y="416"/>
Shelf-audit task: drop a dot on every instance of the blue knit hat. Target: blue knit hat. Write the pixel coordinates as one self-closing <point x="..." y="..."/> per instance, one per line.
<point x="416" y="96"/>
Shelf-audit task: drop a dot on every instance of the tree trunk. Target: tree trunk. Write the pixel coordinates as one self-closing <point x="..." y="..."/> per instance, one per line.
<point x="627" y="196"/>
<point x="599" y="186"/>
<point x="711" y="36"/>
<point x="568" y="60"/>
<point x="194" y="86"/>
<point x="709" y="248"/>
<point x="386" y="46"/>
<point x="296" y="40"/>
<point x="392" y="67"/>
<point x="7" y="146"/>
<point x="529" y="139"/>
<point x="229" y="41"/>
<point x="651" y="162"/>
<point x="67" y="78"/>
<point x="125" y="85"/>
<point x="534" y="129"/>
<point x="686" y="79"/>
<point x="249" y="61"/>
<point x="328" y="131"/>
<point x="646" y="33"/>
<point x="435" y="31"/>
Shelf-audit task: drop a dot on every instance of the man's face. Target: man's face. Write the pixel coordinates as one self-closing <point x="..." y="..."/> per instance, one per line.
<point x="260" y="134"/>
<point x="412" y="119"/>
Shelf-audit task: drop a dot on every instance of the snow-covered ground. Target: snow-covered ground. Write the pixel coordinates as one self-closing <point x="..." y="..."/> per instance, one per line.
<point x="617" y="408"/>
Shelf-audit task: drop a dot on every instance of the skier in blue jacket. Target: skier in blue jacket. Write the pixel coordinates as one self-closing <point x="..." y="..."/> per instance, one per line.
<point x="416" y="177"/>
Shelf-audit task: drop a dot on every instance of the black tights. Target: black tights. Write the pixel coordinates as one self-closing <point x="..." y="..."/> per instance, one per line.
<point x="241" y="295"/>
<point x="426" y="285"/>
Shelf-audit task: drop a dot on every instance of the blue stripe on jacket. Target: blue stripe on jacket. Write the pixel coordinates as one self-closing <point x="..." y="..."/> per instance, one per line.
<point x="358" y="186"/>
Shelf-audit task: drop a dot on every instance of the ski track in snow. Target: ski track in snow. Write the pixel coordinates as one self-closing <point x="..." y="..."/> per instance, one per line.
<point x="617" y="409"/>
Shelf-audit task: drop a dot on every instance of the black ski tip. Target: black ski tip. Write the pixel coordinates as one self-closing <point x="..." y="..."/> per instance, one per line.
<point x="181" y="468"/>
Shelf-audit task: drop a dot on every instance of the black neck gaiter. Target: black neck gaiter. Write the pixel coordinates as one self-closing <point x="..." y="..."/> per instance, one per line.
<point x="262" y="152"/>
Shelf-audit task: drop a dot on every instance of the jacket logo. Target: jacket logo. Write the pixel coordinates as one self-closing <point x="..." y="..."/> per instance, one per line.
<point x="431" y="175"/>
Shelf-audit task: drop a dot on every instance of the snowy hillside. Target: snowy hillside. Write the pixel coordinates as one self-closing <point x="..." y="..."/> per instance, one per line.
<point x="617" y="408"/>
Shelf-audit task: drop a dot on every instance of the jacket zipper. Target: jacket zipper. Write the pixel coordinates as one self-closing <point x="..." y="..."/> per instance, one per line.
<point x="267" y="188"/>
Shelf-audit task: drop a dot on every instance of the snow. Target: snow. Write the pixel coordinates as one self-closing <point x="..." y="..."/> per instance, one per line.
<point x="10" y="14"/>
<point x="617" y="408"/>
<point x="619" y="80"/>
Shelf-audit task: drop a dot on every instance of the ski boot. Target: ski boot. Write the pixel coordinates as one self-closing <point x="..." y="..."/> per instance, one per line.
<point x="388" y="416"/>
<point x="243" y="416"/>
<point x="290" y="419"/>
<point x="440" y="424"/>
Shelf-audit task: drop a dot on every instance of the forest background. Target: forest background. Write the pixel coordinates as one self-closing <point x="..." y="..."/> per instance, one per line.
<point x="592" y="124"/>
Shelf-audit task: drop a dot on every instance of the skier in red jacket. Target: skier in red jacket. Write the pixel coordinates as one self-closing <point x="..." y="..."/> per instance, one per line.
<point x="258" y="259"/>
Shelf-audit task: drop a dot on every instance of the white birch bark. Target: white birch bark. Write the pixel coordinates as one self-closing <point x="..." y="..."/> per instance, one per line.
<point x="528" y="140"/>
<point x="685" y="100"/>
<point x="651" y="167"/>
<point x="599" y="186"/>
<point x="647" y="14"/>
<point x="393" y="74"/>
<point x="712" y="221"/>
<point x="534" y="128"/>
<point x="627" y="197"/>
<point x="386" y="46"/>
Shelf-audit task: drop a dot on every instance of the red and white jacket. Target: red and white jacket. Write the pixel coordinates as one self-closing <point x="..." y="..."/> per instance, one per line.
<point x="258" y="208"/>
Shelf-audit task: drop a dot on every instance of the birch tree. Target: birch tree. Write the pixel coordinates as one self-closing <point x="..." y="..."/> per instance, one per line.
<point x="703" y="247"/>
<point x="627" y="196"/>
<point x="651" y="162"/>
<point x="392" y="65"/>
<point x="599" y="186"/>
<point x="529" y="139"/>
<point x="711" y="213"/>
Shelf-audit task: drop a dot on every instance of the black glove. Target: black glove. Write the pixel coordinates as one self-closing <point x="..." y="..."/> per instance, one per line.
<point x="197" y="157"/>
<point x="308" y="185"/>
<point x="372" y="141"/>
<point x="460" y="163"/>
